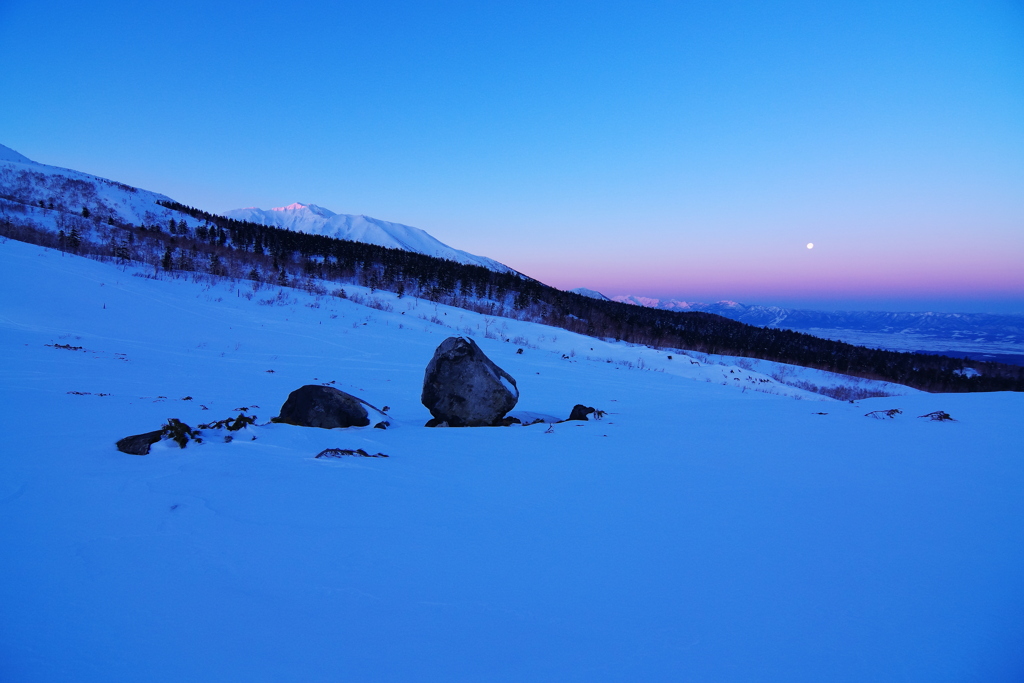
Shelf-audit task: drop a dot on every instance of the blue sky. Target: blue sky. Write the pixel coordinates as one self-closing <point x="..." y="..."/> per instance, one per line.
<point x="689" y="150"/>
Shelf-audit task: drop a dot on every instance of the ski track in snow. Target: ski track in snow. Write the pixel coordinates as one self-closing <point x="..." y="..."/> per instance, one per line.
<point x="704" y="529"/>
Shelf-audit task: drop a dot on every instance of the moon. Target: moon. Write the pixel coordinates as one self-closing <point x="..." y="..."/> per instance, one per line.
<point x="810" y="245"/>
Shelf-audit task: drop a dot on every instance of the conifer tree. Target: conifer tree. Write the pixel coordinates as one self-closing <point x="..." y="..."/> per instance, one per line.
<point x="74" y="240"/>
<point x="122" y="253"/>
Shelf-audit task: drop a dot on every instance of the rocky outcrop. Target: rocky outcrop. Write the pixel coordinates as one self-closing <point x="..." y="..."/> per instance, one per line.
<point x="139" y="444"/>
<point x="462" y="387"/>
<point x="326" y="407"/>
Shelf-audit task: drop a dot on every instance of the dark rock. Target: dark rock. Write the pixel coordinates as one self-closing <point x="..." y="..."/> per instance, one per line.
<point x="140" y="443"/>
<point x="580" y="412"/>
<point x="382" y="425"/>
<point x="326" y="407"/>
<point x="464" y="388"/>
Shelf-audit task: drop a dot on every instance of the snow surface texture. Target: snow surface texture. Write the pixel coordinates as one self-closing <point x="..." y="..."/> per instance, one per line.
<point x="981" y="336"/>
<point x="316" y="220"/>
<point x="700" y="531"/>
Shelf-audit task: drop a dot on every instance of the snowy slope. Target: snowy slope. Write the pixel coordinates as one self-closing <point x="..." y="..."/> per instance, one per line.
<point x="316" y="220"/>
<point x="25" y="183"/>
<point x="698" y="532"/>
<point x="8" y="154"/>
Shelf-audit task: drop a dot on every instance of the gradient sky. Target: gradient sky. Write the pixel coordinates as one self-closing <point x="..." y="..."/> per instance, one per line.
<point x="684" y="149"/>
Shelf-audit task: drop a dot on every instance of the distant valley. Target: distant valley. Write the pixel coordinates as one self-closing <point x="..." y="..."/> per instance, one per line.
<point x="979" y="336"/>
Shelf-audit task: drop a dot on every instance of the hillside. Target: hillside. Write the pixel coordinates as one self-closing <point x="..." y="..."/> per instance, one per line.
<point x="703" y="530"/>
<point x="133" y="226"/>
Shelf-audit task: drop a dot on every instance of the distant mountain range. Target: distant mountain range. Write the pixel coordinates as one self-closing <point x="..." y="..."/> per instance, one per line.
<point x="593" y="294"/>
<point x="316" y="220"/>
<point x="29" y="182"/>
<point x="981" y="336"/>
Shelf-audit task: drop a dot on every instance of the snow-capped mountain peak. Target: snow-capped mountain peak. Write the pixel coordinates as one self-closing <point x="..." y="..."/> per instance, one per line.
<point x="316" y="220"/>
<point x="297" y="207"/>
<point x="592" y="293"/>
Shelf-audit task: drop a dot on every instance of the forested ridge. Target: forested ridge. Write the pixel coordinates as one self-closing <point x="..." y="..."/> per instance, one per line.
<point x="231" y="248"/>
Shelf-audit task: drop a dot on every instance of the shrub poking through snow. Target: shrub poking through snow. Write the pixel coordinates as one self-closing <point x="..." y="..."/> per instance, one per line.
<point x="232" y="424"/>
<point x="180" y="433"/>
<point x="66" y="347"/>
<point x="339" y="452"/>
<point x="882" y="414"/>
<point x="938" y="416"/>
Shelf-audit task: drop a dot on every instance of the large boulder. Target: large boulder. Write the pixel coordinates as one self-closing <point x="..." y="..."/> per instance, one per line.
<point x="464" y="388"/>
<point x="315" y="405"/>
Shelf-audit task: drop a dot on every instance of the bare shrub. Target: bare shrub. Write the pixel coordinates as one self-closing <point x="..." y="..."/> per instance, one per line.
<point x="882" y="414"/>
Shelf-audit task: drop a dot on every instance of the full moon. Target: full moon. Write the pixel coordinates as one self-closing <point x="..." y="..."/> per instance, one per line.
<point x="810" y="245"/>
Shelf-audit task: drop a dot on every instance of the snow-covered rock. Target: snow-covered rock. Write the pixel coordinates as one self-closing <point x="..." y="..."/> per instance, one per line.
<point x="464" y="388"/>
<point x="314" y="405"/>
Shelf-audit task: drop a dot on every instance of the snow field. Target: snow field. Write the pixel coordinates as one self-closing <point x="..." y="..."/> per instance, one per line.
<point x="697" y="532"/>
